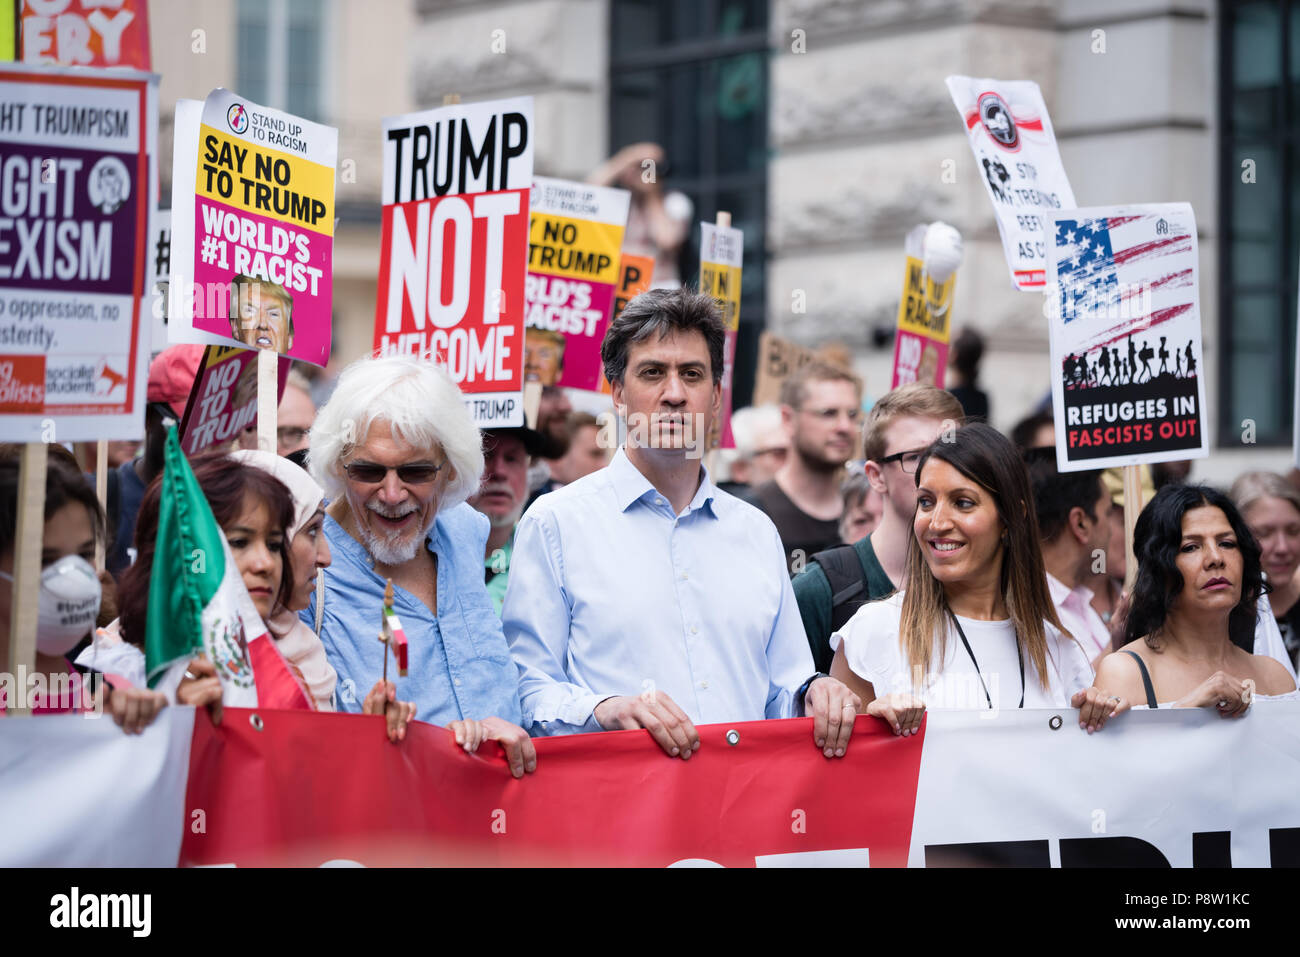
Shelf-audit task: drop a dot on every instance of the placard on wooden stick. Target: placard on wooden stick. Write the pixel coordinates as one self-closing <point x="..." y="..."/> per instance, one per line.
<point x="268" y="400"/>
<point x="29" y="536"/>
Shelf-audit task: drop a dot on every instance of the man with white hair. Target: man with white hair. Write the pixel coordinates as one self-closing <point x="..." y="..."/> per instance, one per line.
<point x="398" y="455"/>
<point x="761" y="447"/>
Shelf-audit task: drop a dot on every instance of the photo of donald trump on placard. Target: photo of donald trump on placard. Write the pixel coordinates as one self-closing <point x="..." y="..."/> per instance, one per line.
<point x="261" y="314"/>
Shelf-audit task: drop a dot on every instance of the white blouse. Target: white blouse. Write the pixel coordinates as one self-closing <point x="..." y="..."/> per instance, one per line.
<point x="872" y="649"/>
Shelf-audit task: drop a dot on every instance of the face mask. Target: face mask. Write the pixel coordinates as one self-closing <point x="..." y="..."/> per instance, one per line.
<point x="69" y="604"/>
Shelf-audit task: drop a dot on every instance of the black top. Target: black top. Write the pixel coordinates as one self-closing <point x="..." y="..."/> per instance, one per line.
<point x="800" y="532"/>
<point x="1146" y="680"/>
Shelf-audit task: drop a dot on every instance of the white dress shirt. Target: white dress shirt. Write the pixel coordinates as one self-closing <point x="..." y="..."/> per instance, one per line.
<point x="612" y="594"/>
<point x="1074" y="607"/>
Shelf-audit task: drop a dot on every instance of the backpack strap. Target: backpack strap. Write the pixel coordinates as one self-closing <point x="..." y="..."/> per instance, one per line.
<point x="847" y="580"/>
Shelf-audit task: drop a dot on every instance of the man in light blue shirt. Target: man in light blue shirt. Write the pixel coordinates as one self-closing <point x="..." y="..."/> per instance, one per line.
<point x="398" y="455"/>
<point x="642" y="596"/>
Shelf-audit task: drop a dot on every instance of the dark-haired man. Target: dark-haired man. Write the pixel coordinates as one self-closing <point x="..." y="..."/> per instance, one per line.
<point x="641" y="596"/>
<point x="1074" y="528"/>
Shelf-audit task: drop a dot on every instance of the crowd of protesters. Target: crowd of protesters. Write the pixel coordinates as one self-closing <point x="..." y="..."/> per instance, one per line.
<point x="575" y="574"/>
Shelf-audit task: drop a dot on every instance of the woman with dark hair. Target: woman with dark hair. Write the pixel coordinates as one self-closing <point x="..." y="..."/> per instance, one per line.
<point x="70" y="595"/>
<point x="975" y="626"/>
<point x="253" y="509"/>
<point x="1192" y="619"/>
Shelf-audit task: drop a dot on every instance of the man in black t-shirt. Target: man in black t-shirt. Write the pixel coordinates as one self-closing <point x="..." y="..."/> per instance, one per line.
<point x="821" y="405"/>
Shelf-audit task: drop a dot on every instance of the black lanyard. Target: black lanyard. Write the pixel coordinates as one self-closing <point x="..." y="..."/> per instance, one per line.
<point x="1019" y="659"/>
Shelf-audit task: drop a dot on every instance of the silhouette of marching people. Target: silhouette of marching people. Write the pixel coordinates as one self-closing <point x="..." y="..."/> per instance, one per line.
<point x="1114" y="368"/>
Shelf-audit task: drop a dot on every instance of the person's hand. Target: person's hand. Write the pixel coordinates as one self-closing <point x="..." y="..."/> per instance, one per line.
<point x="1096" y="707"/>
<point x="382" y="699"/>
<point x="201" y="687"/>
<point x="901" y="711"/>
<point x="1230" y="696"/>
<point x="134" y="709"/>
<point x="514" y="740"/>
<point x="658" y="714"/>
<point x="833" y="707"/>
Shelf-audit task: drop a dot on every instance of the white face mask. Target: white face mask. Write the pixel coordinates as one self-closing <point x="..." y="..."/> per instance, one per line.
<point x="69" y="604"/>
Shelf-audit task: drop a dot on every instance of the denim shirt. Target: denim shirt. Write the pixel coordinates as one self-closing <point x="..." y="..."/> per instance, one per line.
<point x="458" y="663"/>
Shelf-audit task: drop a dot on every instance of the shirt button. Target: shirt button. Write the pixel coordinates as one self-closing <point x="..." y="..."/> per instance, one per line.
<point x="704" y="686"/>
<point x="683" y="576"/>
<point x="694" y="630"/>
<point x="458" y="682"/>
<point x="659" y="501"/>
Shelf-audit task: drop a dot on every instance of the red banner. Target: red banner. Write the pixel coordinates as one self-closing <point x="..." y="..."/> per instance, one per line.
<point x="292" y="792"/>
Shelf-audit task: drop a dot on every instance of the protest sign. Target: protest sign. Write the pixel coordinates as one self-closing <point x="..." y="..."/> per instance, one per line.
<point x="1011" y="136"/>
<point x="1126" y="336"/>
<point x="454" y="247"/>
<point x="575" y="233"/>
<point x="924" y="313"/>
<point x="223" y="400"/>
<point x="86" y="32"/>
<point x="8" y="23"/>
<point x="722" y="250"/>
<point x="252" y="228"/>
<point x="634" y="275"/>
<point x="159" y="258"/>
<point x="76" y="190"/>
<point x="778" y="359"/>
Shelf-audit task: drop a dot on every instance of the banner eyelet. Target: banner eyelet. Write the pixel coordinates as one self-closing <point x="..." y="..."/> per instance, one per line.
<point x="733" y="737"/>
<point x="255" y="720"/>
<point x="1055" y="722"/>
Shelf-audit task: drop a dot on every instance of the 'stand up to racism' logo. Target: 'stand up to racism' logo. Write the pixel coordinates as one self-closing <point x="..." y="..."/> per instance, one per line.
<point x="997" y="119"/>
<point x="237" y="117"/>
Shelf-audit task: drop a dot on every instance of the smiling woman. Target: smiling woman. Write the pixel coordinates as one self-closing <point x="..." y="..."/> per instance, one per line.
<point x="975" y="626"/>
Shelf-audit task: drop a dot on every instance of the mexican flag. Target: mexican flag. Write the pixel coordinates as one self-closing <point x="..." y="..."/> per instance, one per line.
<point x="198" y="602"/>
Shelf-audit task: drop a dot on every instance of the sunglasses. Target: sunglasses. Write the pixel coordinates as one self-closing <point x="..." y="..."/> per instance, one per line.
<point x="371" y="473"/>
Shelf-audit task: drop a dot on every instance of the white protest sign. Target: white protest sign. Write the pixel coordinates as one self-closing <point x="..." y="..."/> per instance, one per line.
<point x="1125" y="324"/>
<point x="1011" y="136"/>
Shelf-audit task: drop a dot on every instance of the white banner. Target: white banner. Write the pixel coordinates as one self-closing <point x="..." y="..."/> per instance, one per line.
<point x="76" y="791"/>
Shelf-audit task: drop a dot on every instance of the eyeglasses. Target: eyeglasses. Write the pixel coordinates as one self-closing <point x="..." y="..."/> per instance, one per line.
<point x="907" y="461"/>
<point x="371" y="473"/>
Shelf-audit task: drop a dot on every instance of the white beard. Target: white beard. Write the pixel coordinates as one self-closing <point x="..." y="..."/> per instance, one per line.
<point x="395" y="548"/>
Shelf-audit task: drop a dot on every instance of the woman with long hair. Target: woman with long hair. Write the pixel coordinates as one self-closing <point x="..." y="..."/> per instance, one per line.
<point x="1193" y="609"/>
<point x="974" y="625"/>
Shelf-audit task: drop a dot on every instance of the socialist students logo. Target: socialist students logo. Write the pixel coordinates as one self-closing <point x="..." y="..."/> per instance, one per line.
<point x="998" y="121"/>
<point x="237" y="117"/>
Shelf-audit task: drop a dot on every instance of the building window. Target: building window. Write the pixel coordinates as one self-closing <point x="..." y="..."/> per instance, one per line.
<point x="692" y="76"/>
<point x="281" y="52"/>
<point x="1260" y="209"/>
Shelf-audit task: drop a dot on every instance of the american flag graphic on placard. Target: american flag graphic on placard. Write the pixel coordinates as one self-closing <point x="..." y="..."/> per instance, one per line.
<point x="1126" y="335"/>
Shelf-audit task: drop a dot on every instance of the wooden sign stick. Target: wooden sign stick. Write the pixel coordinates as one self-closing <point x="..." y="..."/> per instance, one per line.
<point x="1132" y="506"/>
<point x="29" y="536"/>
<point x="101" y="493"/>
<point x="268" y="372"/>
<point x="722" y="220"/>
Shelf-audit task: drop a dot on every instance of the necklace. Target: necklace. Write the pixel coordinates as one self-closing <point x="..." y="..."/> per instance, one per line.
<point x="1019" y="659"/>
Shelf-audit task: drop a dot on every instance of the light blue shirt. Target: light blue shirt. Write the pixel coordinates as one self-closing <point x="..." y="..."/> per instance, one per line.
<point x="458" y="663"/>
<point x="612" y="594"/>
